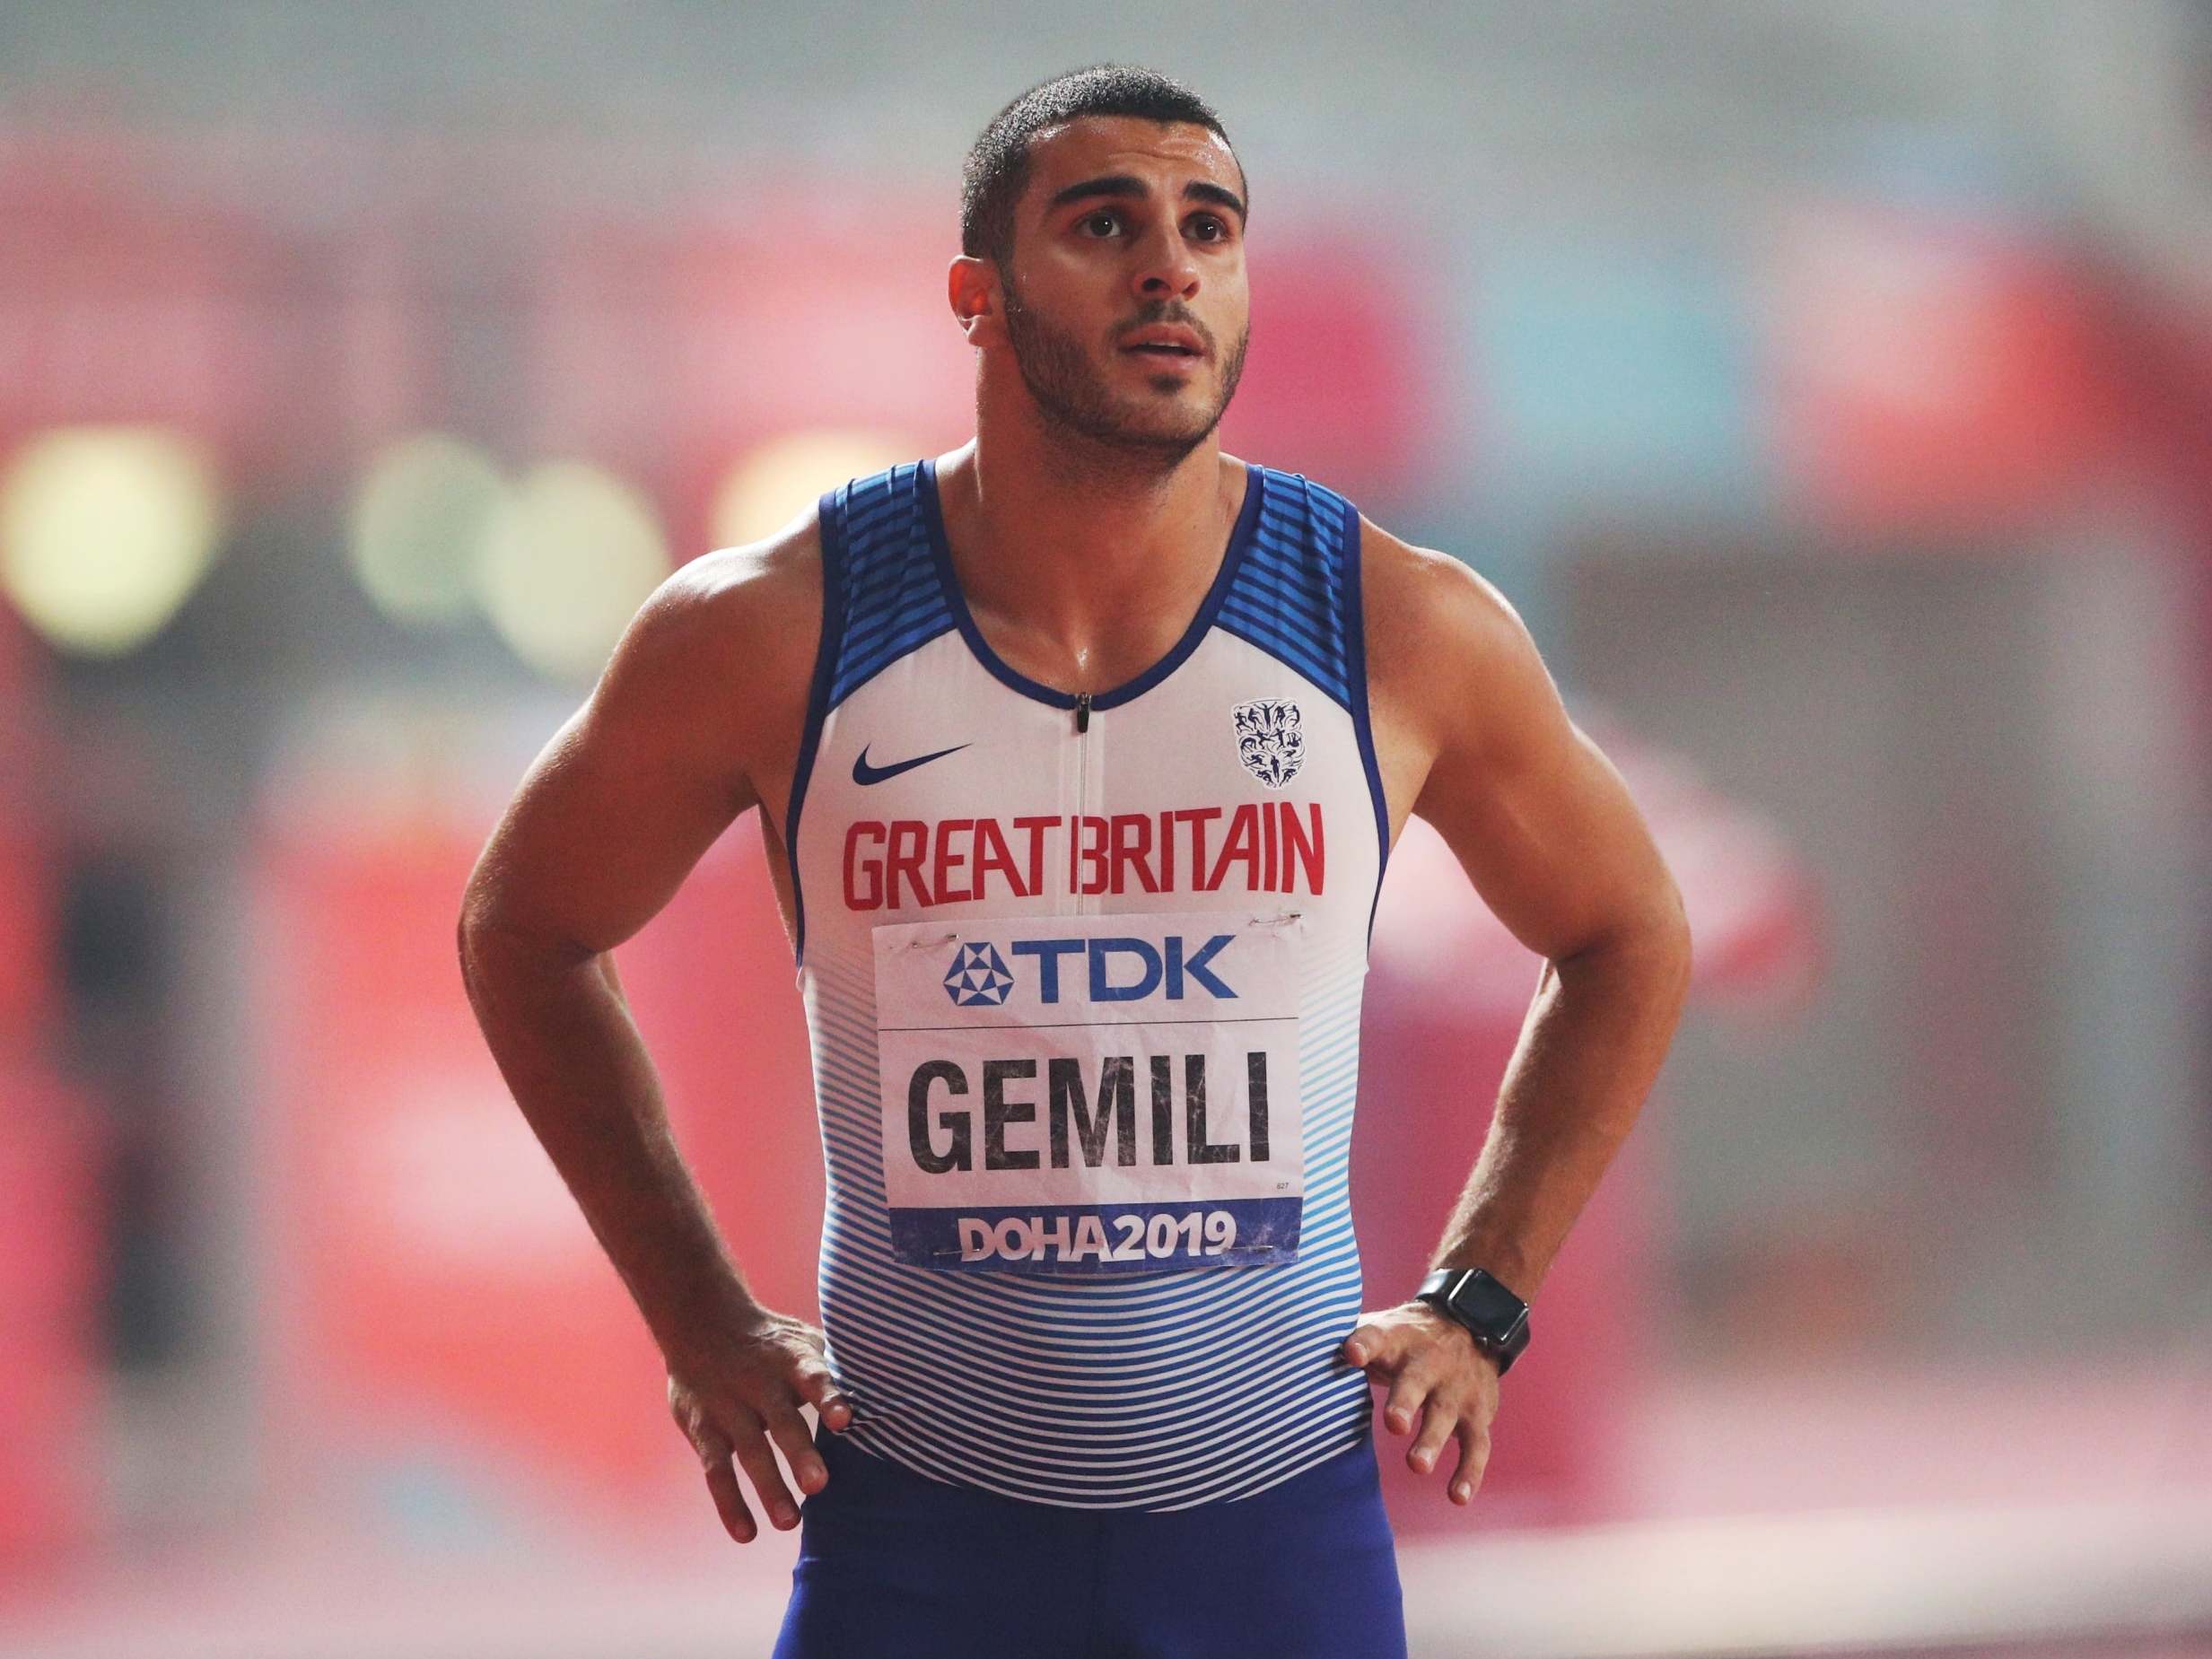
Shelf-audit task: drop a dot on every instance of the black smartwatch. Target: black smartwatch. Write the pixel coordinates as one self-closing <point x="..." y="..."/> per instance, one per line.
<point x="1494" y="1315"/>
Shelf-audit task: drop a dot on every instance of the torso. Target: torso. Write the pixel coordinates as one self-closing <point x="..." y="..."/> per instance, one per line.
<point x="1227" y="803"/>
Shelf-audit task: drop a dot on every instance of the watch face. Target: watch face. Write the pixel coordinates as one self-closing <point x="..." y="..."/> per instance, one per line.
<point x="1488" y="1304"/>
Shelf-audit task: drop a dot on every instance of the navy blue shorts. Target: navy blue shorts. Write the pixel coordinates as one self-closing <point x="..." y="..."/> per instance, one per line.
<point x="891" y="1562"/>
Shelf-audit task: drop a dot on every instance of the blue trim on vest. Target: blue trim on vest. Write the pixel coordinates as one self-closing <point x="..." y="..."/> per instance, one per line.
<point x="1355" y="630"/>
<point x="832" y="521"/>
<point x="894" y="604"/>
<point x="1290" y="599"/>
<point x="1234" y="558"/>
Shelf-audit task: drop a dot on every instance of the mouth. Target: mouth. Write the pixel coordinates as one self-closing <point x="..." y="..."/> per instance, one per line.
<point x="1159" y="360"/>
<point x="1166" y="344"/>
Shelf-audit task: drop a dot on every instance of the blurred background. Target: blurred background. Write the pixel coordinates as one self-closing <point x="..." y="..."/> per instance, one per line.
<point x="1829" y="386"/>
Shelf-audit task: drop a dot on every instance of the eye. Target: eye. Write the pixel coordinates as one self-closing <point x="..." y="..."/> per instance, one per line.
<point x="1210" y="227"/>
<point x="1090" y="221"/>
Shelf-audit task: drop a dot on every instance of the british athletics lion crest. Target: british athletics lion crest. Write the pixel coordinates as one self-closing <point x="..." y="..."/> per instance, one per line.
<point x="1271" y="740"/>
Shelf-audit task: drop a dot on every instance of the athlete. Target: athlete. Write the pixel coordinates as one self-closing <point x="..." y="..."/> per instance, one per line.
<point x="1079" y="752"/>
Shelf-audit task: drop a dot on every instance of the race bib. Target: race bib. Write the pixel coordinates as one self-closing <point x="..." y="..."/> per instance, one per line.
<point x="1091" y="1095"/>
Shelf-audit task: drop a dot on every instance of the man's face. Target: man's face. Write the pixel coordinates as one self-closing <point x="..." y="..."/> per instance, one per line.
<point x="1126" y="302"/>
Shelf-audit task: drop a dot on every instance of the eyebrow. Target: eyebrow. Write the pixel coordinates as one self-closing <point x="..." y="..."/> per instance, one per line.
<point x="1128" y="185"/>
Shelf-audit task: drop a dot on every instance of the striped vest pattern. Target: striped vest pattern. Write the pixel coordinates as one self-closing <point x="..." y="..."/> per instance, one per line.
<point x="1082" y="976"/>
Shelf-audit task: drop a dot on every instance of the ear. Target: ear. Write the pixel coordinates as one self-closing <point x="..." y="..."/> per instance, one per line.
<point x="972" y="285"/>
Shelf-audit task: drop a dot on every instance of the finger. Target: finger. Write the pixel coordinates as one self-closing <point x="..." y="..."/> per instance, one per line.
<point x="1365" y="1345"/>
<point x="820" y="1389"/>
<point x="711" y="1447"/>
<point x="1402" y="1406"/>
<point x="721" y="1483"/>
<point x="789" y="1430"/>
<point x="1440" y="1418"/>
<point x="1474" y="1458"/>
<point x="759" y="1463"/>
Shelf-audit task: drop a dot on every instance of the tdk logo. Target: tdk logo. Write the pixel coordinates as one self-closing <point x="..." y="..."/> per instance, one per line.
<point x="1118" y="970"/>
<point x="978" y="977"/>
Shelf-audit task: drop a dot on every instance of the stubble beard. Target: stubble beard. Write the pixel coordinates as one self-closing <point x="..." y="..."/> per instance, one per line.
<point x="1076" y="406"/>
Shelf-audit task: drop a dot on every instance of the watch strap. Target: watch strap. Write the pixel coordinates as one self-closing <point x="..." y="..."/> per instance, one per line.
<point x="1495" y="1318"/>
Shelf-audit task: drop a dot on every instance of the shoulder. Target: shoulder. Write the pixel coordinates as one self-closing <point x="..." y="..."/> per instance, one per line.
<point x="748" y="592"/>
<point x="715" y="664"/>
<point x="749" y="610"/>
<point x="1445" y="648"/>
<point x="1414" y="599"/>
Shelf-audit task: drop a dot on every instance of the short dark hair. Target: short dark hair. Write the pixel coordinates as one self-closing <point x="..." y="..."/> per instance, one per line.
<point x="998" y="163"/>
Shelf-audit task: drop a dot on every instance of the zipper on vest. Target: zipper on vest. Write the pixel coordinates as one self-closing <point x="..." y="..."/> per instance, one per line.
<point x="1076" y="901"/>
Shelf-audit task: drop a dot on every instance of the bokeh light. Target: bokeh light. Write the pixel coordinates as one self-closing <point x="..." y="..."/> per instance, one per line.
<point x="566" y="563"/>
<point x="769" y="487"/>
<point x="421" y="516"/>
<point x="104" y="532"/>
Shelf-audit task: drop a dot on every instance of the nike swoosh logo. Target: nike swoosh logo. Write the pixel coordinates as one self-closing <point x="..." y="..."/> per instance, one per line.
<point x="862" y="772"/>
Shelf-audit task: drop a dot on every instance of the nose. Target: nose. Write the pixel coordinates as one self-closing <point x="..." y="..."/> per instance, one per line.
<point x="1166" y="267"/>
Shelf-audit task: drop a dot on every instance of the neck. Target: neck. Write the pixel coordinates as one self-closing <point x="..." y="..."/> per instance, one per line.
<point x="1069" y="543"/>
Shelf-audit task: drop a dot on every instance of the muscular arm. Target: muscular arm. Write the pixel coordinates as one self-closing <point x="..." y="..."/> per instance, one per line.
<point x="695" y="720"/>
<point x="1547" y="835"/>
<point x="1472" y="735"/>
<point x="605" y="825"/>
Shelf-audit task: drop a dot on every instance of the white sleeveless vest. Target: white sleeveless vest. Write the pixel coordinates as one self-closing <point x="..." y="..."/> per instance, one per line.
<point x="1082" y="976"/>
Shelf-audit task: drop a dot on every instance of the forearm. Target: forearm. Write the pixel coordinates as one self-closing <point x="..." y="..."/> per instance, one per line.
<point x="578" y="1070"/>
<point x="1589" y="1050"/>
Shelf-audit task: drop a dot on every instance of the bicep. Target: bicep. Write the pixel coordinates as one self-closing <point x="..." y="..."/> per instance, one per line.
<point x="626" y="797"/>
<point x="1541" y="820"/>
